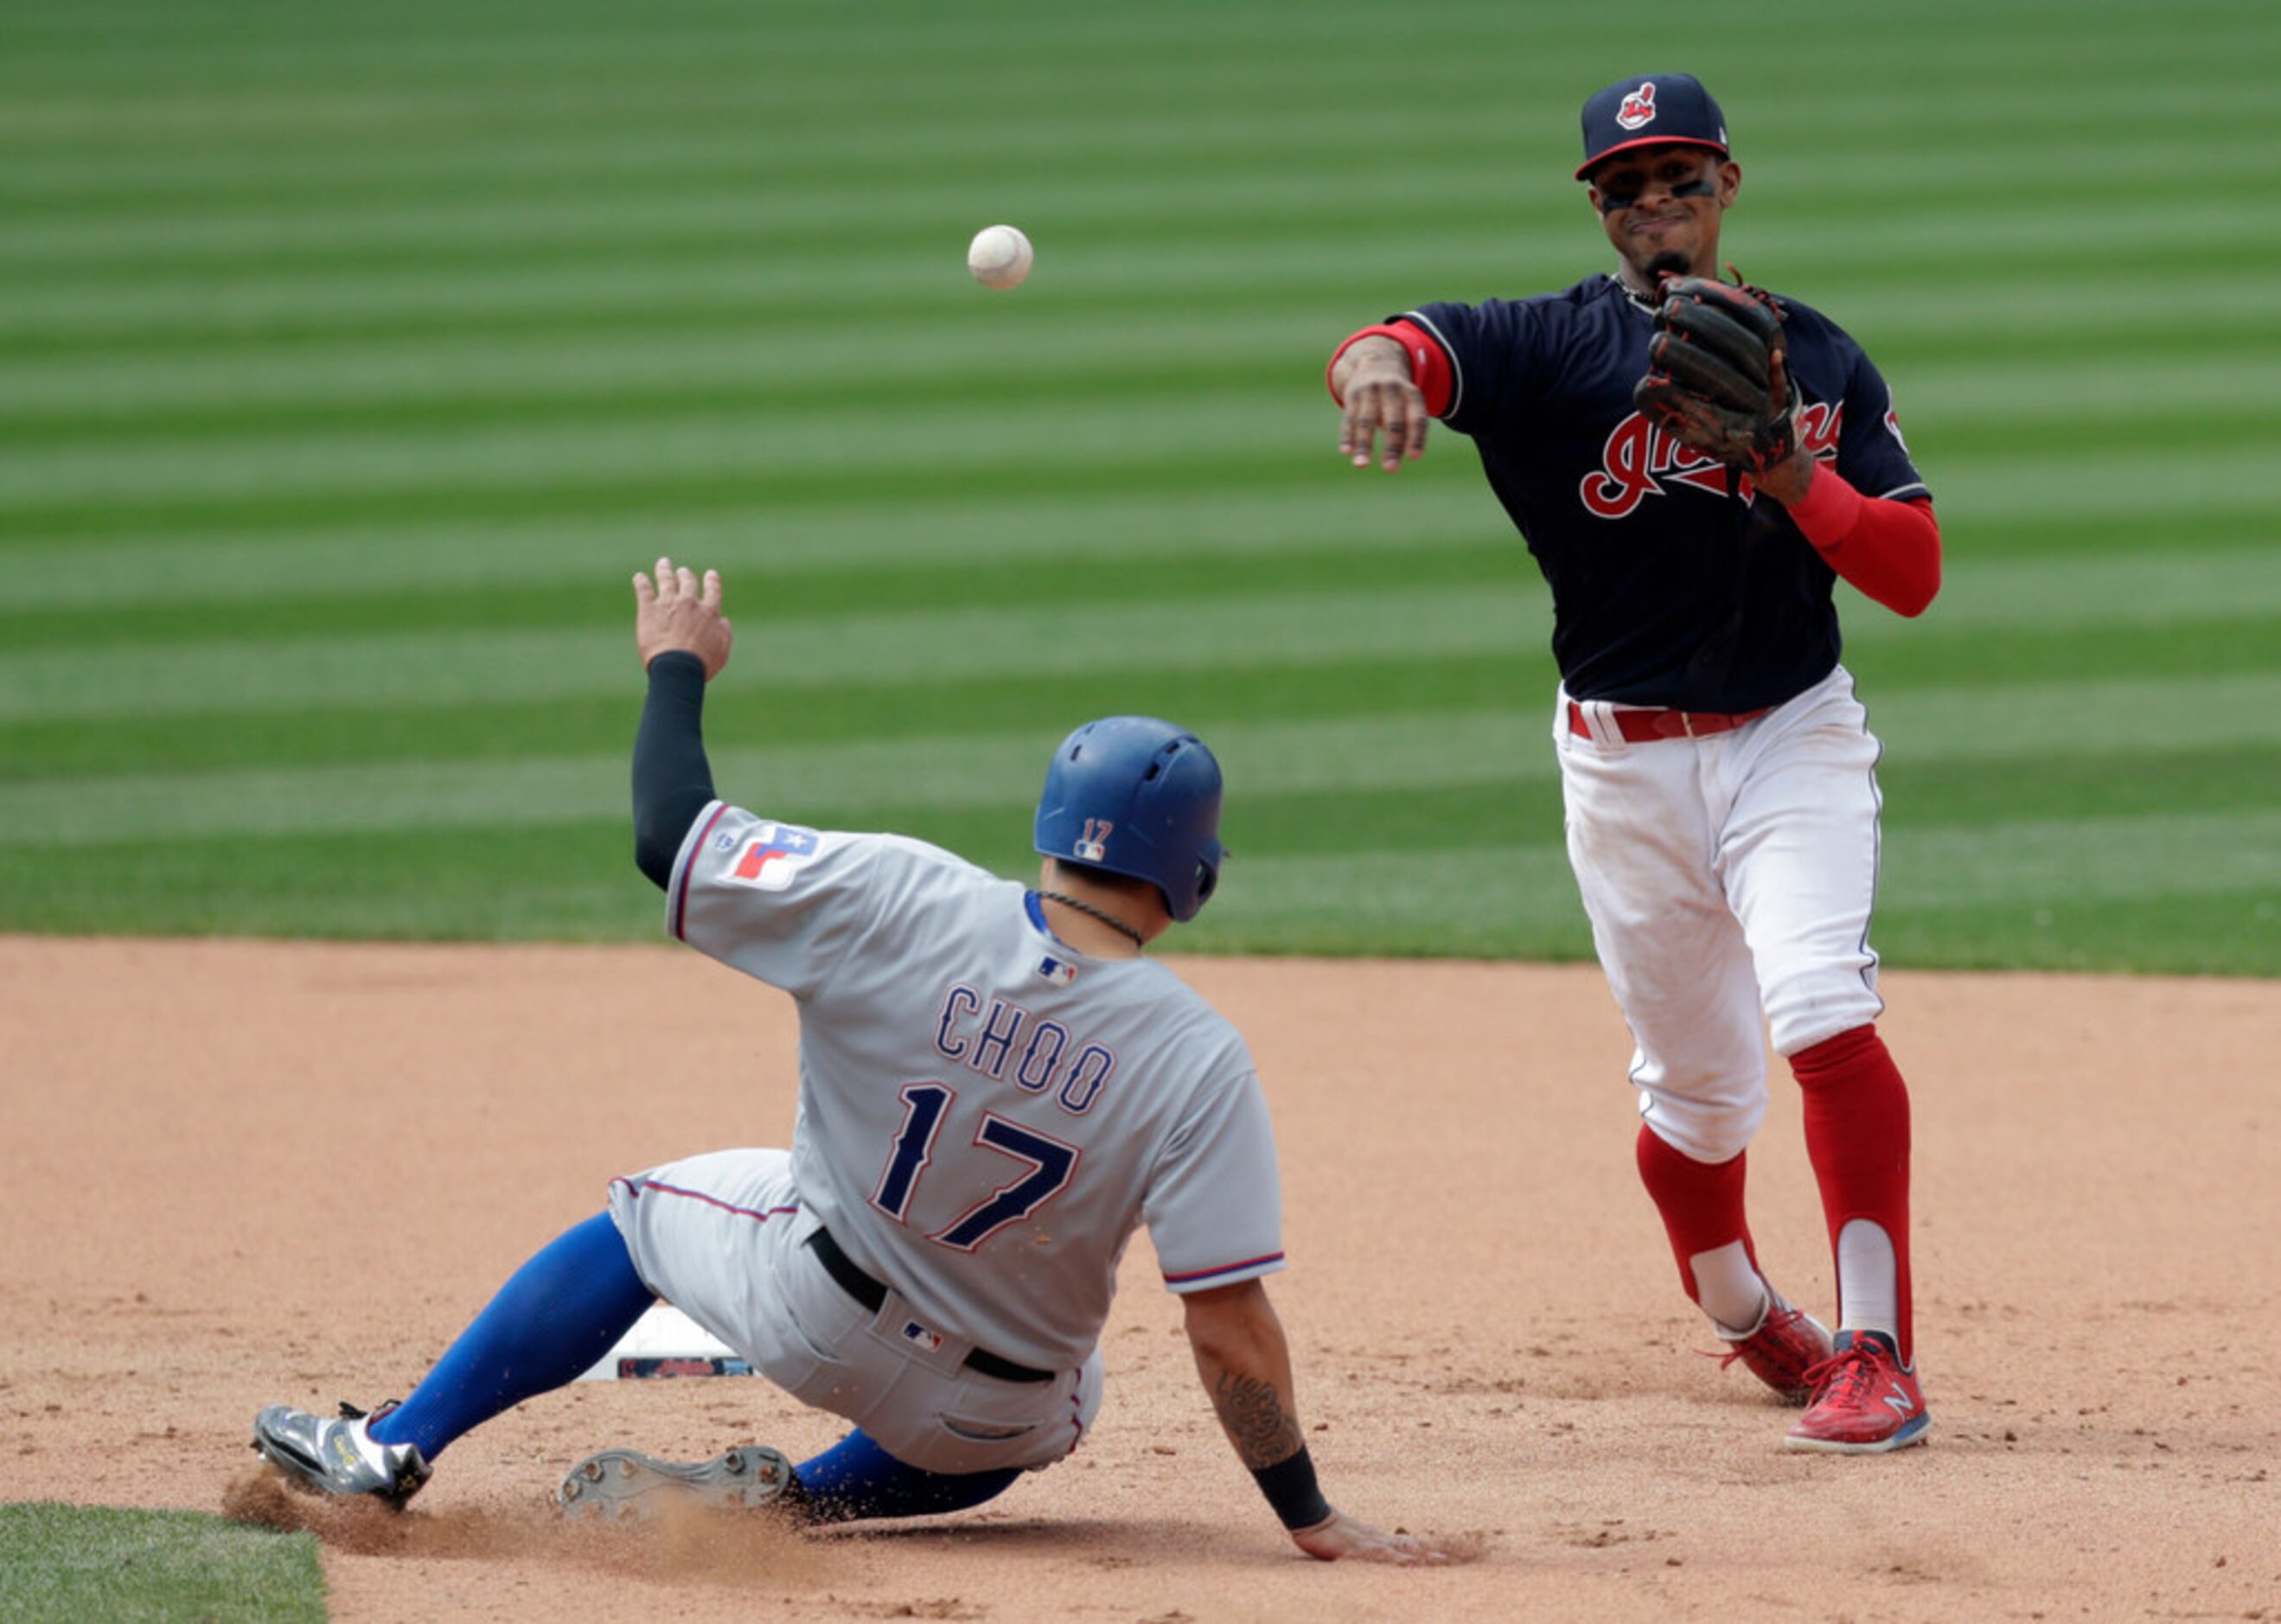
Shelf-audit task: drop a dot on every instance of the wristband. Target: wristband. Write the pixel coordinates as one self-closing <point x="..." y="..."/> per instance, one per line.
<point x="1429" y="366"/>
<point x="1290" y="1488"/>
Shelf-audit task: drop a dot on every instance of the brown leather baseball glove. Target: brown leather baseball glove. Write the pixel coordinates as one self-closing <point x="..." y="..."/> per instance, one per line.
<point x="1712" y="382"/>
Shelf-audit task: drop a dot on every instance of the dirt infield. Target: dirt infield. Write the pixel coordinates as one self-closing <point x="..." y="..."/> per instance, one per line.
<point x="237" y="1173"/>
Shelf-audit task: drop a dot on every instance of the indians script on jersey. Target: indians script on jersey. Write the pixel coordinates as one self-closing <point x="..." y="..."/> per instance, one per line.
<point x="1637" y="453"/>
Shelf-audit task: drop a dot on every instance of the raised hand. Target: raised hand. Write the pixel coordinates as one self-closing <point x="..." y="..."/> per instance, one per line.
<point x="679" y="611"/>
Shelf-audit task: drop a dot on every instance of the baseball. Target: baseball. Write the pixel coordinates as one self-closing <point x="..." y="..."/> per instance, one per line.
<point x="1001" y="257"/>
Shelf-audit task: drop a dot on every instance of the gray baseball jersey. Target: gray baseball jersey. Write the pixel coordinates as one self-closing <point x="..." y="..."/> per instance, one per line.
<point x="986" y="1113"/>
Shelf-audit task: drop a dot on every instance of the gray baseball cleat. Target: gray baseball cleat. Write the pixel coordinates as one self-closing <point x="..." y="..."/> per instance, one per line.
<point x="623" y="1483"/>
<point x="339" y="1456"/>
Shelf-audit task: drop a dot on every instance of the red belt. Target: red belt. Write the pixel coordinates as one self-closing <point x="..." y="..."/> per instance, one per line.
<point x="1641" y="727"/>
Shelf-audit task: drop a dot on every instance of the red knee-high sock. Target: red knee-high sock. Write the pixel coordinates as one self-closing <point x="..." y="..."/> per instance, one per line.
<point x="1701" y="1202"/>
<point x="1857" y="1136"/>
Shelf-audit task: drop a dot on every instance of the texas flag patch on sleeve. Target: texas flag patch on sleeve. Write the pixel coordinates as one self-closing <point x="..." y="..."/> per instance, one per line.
<point x="772" y="855"/>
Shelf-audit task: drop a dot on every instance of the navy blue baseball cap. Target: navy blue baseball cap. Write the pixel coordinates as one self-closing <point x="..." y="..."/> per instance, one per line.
<point x="1651" y="109"/>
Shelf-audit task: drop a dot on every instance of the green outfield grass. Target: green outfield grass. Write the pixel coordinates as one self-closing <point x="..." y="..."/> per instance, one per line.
<point x="103" y="1564"/>
<point x="352" y="358"/>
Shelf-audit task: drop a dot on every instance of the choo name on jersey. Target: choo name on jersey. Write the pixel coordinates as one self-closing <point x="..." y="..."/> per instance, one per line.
<point x="998" y="1038"/>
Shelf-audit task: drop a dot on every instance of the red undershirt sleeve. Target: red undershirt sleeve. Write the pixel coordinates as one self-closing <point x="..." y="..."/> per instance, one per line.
<point x="1429" y="366"/>
<point x="1889" y="550"/>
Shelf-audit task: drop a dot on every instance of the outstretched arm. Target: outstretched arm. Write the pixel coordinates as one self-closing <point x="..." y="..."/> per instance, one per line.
<point x="1245" y="1363"/>
<point x="684" y="640"/>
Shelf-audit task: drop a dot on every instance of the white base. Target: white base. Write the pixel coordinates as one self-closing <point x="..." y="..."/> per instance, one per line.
<point x="665" y="1342"/>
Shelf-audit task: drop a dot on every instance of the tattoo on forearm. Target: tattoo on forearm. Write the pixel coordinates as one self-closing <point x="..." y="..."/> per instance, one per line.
<point x="1255" y="1423"/>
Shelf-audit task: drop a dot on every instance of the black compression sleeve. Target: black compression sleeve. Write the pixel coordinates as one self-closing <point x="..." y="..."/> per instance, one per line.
<point x="673" y="782"/>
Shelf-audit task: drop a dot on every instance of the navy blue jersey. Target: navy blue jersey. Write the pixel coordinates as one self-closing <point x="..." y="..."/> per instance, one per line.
<point x="1667" y="589"/>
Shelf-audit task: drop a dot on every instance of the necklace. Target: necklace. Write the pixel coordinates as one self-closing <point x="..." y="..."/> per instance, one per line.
<point x="1106" y="917"/>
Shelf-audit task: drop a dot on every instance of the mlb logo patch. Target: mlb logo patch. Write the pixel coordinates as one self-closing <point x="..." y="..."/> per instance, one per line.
<point x="918" y="1336"/>
<point x="1058" y="971"/>
<point x="773" y="855"/>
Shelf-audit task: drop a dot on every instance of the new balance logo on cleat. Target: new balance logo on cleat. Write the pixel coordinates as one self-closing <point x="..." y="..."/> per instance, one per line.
<point x="1865" y="1401"/>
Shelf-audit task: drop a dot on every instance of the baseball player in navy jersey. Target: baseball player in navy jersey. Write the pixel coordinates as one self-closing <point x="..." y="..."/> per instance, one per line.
<point x="1717" y="769"/>
<point x="996" y="1088"/>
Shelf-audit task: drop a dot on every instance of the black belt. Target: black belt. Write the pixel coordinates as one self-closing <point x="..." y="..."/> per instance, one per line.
<point x="871" y="1293"/>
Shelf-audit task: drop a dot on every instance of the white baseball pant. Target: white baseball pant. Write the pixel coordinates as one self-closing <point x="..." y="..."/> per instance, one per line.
<point x="1729" y="880"/>
<point x="722" y="1237"/>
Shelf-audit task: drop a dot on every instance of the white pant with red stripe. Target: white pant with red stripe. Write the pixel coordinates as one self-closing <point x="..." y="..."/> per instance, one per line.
<point x="1729" y="880"/>
<point x="722" y="1237"/>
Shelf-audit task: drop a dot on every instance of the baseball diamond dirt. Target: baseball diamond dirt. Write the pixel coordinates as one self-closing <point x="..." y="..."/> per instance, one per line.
<point x="239" y="1172"/>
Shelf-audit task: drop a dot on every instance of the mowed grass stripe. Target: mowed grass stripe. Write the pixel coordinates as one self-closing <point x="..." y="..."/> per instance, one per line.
<point x="1320" y="276"/>
<point x="918" y="299"/>
<point x="875" y="782"/>
<point x="913" y="602"/>
<point x="240" y="371"/>
<point x="1471" y="142"/>
<point x="673" y="499"/>
<point x="2082" y="594"/>
<point x="1042" y="587"/>
<point x="461" y="50"/>
<point x="1440" y="503"/>
<point x="1028" y="438"/>
<point x="448" y="668"/>
<point x="497" y="387"/>
<point x="2136" y="858"/>
<point x="2189" y="935"/>
<point x="752" y="446"/>
<point x="231" y="383"/>
<point x="1989" y="484"/>
<point x="1204" y="696"/>
<point x="508" y="663"/>
<point x="2133" y="859"/>
<point x="1455" y="902"/>
<point x="1119" y="240"/>
<point x="2023" y="674"/>
<point x="791" y="542"/>
<point x="1238" y="192"/>
<point x="918" y="777"/>
<point x="529" y="100"/>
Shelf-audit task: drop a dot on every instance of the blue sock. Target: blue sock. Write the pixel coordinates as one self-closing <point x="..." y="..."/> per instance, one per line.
<point x="855" y="1478"/>
<point x="559" y="1313"/>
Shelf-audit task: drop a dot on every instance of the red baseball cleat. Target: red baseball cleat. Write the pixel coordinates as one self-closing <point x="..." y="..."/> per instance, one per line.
<point x="1865" y="1401"/>
<point x="1781" y="1351"/>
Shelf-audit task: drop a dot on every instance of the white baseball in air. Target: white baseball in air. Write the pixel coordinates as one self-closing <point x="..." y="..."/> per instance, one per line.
<point x="1001" y="257"/>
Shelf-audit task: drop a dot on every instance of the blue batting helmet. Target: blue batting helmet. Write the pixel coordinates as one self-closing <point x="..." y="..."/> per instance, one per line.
<point x="1138" y="797"/>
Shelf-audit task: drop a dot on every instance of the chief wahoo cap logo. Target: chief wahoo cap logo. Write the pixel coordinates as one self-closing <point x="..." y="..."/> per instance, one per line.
<point x="1639" y="107"/>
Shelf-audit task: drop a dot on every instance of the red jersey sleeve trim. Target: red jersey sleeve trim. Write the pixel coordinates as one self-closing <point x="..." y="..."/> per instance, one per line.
<point x="1429" y="363"/>
<point x="1225" y="1274"/>
<point x="1889" y="550"/>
